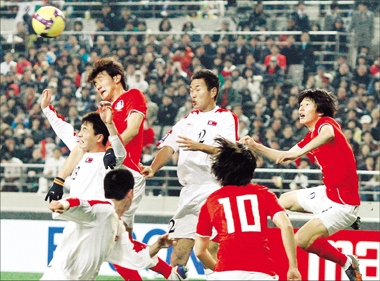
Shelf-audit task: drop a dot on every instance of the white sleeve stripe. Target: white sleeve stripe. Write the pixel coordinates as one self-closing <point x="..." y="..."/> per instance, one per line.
<point x="133" y="110"/>
<point x="277" y="214"/>
<point x="324" y="124"/>
<point x="201" y="235"/>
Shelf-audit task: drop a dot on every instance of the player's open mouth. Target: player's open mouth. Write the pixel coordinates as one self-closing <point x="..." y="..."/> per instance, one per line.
<point x="102" y="92"/>
<point x="302" y="115"/>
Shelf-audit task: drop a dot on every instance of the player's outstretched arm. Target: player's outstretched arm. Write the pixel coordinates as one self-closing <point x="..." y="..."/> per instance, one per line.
<point x="191" y="145"/>
<point x="282" y="221"/>
<point x="202" y="252"/>
<point x="325" y="135"/>
<point x="162" y="242"/>
<point x="270" y="153"/>
<point x="161" y="160"/>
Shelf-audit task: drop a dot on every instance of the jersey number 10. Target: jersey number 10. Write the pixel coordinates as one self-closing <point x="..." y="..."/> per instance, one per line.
<point x="245" y="227"/>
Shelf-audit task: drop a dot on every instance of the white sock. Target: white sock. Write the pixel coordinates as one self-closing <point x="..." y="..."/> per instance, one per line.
<point x="347" y="264"/>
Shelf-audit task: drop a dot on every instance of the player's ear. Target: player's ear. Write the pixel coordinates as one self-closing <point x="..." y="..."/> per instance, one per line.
<point x="117" y="78"/>
<point x="213" y="92"/>
<point x="99" y="138"/>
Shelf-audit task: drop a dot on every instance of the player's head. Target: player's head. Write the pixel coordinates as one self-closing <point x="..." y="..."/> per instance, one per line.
<point x="234" y="163"/>
<point x="118" y="183"/>
<point x="92" y="131"/>
<point x="204" y="89"/>
<point x="106" y="74"/>
<point x="325" y="101"/>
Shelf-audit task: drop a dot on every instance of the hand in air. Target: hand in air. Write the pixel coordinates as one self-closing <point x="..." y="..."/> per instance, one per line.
<point x="105" y="112"/>
<point x="46" y="98"/>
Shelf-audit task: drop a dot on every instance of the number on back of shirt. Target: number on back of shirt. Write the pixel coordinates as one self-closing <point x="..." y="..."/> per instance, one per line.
<point x="242" y="213"/>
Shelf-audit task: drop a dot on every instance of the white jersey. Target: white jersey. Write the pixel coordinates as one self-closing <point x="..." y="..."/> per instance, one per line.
<point x="87" y="177"/>
<point x="194" y="167"/>
<point x="94" y="234"/>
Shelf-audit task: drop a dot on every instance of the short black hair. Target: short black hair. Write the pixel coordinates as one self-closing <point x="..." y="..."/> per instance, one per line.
<point x="234" y="163"/>
<point x="211" y="80"/>
<point x="117" y="183"/>
<point x="325" y="101"/>
<point x="97" y="124"/>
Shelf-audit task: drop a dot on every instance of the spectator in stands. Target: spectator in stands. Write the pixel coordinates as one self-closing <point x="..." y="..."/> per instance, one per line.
<point x="26" y="150"/>
<point x="254" y="48"/>
<point x="36" y="130"/>
<point x="321" y="72"/>
<point x="22" y="63"/>
<point x="228" y="67"/>
<point x="217" y="38"/>
<point x="266" y="51"/>
<point x="361" y="75"/>
<point x="52" y="167"/>
<point x="184" y="55"/>
<point x="167" y="111"/>
<point x="343" y="73"/>
<point x="273" y="73"/>
<point x="331" y="17"/>
<point x="228" y="96"/>
<point x="362" y="23"/>
<point x="7" y="64"/>
<point x="240" y="50"/>
<point x="184" y="110"/>
<point x="306" y="53"/>
<point x="101" y="27"/>
<point x="6" y="116"/>
<point x="257" y="18"/>
<point x="375" y="68"/>
<point x="33" y="172"/>
<point x="301" y="18"/>
<point x="373" y="184"/>
<point x="205" y="59"/>
<point x="210" y="48"/>
<point x="290" y="52"/>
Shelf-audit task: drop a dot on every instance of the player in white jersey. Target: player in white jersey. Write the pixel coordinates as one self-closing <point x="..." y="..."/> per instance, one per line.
<point x="90" y="171"/>
<point x="193" y="136"/>
<point x="98" y="233"/>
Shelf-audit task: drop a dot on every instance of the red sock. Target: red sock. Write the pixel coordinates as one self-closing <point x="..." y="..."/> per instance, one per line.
<point x="324" y="249"/>
<point x="161" y="267"/>
<point x="128" y="274"/>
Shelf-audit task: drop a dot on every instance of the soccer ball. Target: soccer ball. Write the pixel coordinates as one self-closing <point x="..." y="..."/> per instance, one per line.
<point x="48" y="22"/>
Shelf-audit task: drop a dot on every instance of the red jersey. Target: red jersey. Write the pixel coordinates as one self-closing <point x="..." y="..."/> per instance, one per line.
<point x="239" y="215"/>
<point x="337" y="162"/>
<point x="130" y="101"/>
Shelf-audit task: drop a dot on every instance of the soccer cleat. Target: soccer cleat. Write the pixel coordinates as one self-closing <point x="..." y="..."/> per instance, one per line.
<point x="353" y="271"/>
<point x="179" y="273"/>
<point x="357" y="224"/>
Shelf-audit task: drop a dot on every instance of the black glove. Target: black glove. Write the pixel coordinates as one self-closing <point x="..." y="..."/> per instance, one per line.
<point x="56" y="190"/>
<point x="109" y="158"/>
<point x="357" y="224"/>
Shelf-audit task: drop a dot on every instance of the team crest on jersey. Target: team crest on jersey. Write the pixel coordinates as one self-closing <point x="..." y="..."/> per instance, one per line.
<point x="89" y="160"/>
<point x="119" y="105"/>
<point x="212" y="123"/>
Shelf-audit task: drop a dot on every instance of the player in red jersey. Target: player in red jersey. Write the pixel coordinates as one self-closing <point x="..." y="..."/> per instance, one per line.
<point x="129" y="110"/>
<point x="334" y="204"/>
<point x="238" y="211"/>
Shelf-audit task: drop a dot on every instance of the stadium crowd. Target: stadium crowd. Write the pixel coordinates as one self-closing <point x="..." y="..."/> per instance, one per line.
<point x="254" y="72"/>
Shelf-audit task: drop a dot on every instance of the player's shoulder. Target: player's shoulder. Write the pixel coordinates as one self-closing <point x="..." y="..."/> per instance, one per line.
<point x="327" y="121"/>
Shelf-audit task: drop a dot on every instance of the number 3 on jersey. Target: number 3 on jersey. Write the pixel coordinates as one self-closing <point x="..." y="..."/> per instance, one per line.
<point x="240" y="202"/>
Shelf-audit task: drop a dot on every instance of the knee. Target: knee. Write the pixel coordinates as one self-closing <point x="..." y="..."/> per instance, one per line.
<point x="301" y="240"/>
<point x="285" y="201"/>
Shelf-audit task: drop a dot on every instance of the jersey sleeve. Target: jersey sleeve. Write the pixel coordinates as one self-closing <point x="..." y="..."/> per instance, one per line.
<point x="274" y="206"/>
<point x="170" y="138"/>
<point x="80" y="211"/>
<point x="124" y="255"/>
<point x="204" y="227"/>
<point x="230" y="127"/>
<point x="63" y="129"/>
<point x="137" y="103"/>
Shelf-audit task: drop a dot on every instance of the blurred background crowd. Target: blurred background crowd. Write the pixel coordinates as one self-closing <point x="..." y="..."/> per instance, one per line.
<point x="261" y="76"/>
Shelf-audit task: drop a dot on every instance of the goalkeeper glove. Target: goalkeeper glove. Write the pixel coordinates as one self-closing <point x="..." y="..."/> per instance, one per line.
<point x="56" y="190"/>
<point x="109" y="158"/>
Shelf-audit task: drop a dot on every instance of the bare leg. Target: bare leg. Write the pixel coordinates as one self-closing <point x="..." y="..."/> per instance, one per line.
<point x="181" y="251"/>
<point x="310" y="232"/>
<point x="290" y="202"/>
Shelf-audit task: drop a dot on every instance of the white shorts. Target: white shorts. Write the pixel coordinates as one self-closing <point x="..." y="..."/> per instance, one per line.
<point x="240" y="275"/>
<point x="334" y="216"/>
<point x="184" y="222"/>
<point x="138" y="192"/>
